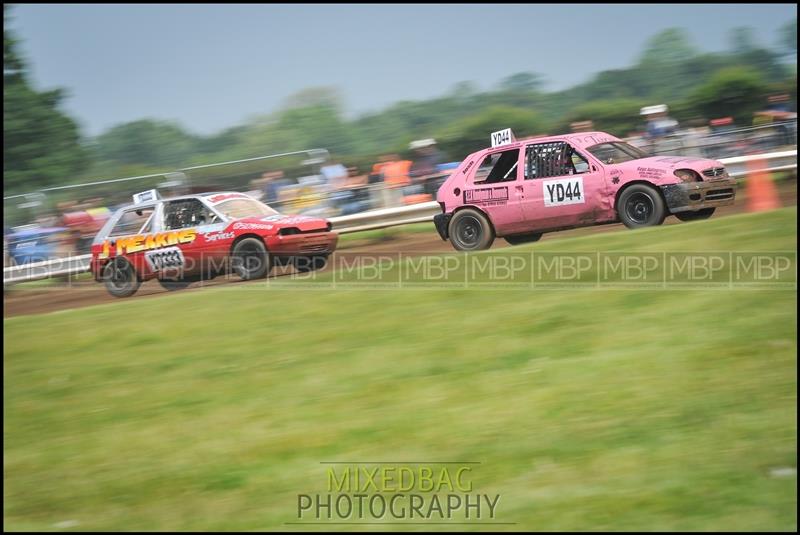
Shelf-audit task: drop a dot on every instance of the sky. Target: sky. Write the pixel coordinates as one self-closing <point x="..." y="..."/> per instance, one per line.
<point x="212" y="66"/>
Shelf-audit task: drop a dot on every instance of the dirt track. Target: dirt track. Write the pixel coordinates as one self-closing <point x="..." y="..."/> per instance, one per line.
<point x="18" y="301"/>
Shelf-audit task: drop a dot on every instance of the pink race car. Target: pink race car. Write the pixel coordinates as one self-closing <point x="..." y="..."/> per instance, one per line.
<point x="186" y="239"/>
<point x="519" y="190"/>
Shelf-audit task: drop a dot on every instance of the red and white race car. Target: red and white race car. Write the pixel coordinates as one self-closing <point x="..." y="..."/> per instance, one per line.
<point x="186" y="239"/>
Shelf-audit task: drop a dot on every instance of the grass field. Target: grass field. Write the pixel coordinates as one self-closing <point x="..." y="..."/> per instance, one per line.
<point x="587" y="409"/>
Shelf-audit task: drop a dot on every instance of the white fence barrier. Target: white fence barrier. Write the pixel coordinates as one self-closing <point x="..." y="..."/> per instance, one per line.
<point x="370" y="220"/>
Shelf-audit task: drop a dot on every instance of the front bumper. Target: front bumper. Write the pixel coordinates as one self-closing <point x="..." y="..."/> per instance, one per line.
<point x="441" y="221"/>
<point x="692" y="196"/>
<point x="317" y="243"/>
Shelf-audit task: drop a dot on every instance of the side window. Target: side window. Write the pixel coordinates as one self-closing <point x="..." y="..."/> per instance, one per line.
<point x="186" y="213"/>
<point x="558" y="158"/>
<point x="579" y="163"/>
<point x="148" y="226"/>
<point x="498" y="167"/>
<point x="132" y="222"/>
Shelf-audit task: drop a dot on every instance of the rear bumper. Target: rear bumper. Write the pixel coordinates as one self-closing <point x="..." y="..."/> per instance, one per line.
<point x="317" y="243"/>
<point x="692" y="196"/>
<point x="441" y="221"/>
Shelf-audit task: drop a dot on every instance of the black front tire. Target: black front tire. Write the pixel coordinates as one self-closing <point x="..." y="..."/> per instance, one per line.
<point x="705" y="213"/>
<point x="640" y="206"/>
<point x="120" y="278"/>
<point x="470" y="230"/>
<point x="518" y="239"/>
<point x="250" y="259"/>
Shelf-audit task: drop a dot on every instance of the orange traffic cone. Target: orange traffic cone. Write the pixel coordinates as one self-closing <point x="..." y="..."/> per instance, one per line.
<point x="761" y="191"/>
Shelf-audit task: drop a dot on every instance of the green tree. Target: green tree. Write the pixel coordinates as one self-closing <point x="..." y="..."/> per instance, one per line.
<point x="619" y="117"/>
<point x="313" y="127"/>
<point x="463" y="90"/>
<point x="669" y="47"/>
<point x="659" y="71"/>
<point x="522" y="81"/>
<point x="465" y="136"/>
<point x="735" y="92"/>
<point x="742" y="40"/>
<point x="325" y="96"/>
<point x="41" y="144"/>
<point x="147" y="141"/>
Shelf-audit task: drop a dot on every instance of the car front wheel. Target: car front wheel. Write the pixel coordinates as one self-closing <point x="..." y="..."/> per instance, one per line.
<point x="470" y="230"/>
<point x="250" y="259"/>
<point x="120" y="278"/>
<point x="641" y="206"/>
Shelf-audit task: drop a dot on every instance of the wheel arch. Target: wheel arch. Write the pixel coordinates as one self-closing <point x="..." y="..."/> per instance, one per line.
<point x="102" y="264"/>
<point x="479" y="210"/>
<point x="621" y="190"/>
<point x="244" y="237"/>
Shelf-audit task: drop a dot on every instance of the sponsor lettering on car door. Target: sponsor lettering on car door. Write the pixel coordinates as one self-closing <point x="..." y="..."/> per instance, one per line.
<point x="494" y="187"/>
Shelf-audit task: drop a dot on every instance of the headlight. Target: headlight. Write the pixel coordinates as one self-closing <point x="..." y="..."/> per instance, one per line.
<point x="687" y="175"/>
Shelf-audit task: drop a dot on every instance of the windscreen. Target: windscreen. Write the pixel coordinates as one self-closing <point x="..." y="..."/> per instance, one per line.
<point x="240" y="208"/>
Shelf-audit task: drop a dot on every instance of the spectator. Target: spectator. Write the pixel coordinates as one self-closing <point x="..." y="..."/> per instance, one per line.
<point x="334" y="174"/>
<point x="395" y="178"/>
<point x="659" y="124"/>
<point x="354" y="179"/>
<point x="377" y="169"/>
<point x="271" y="185"/>
<point x="426" y="157"/>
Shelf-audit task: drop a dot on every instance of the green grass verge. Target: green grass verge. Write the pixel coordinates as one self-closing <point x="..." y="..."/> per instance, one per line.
<point x="588" y="410"/>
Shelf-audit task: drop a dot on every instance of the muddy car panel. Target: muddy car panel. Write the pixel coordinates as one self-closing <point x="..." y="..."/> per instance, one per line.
<point x="531" y="194"/>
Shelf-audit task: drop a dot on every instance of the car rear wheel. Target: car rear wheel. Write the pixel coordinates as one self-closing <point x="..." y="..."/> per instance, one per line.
<point x="470" y="230"/>
<point x="250" y="259"/>
<point x="120" y="278"/>
<point x="641" y="206"/>
<point x="518" y="239"/>
<point x="705" y="213"/>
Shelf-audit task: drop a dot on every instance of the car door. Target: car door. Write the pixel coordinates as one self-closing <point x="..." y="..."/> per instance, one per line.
<point x="494" y="187"/>
<point x="561" y="187"/>
<point x="193" y="222"/>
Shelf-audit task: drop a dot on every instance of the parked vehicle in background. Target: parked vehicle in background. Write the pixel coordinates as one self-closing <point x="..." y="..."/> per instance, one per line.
<point x="32" y="243"/>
